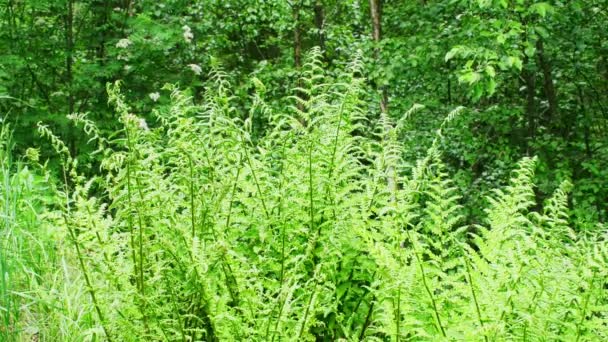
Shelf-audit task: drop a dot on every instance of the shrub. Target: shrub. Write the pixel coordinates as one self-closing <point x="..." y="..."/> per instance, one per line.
<point x="191" y="230"/>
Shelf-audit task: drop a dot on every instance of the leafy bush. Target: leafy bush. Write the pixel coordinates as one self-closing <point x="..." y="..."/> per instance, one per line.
<point x="193" y="231"/>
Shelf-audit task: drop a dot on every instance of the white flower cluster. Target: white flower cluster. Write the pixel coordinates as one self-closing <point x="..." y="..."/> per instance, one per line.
<point x="124" y="43"/>
<point x="188" y="35"/>
<point x="154" y="96"/>
<point x="142" y="124"/>
<point x="137" y="121"/>
<point x="195" y="68"/>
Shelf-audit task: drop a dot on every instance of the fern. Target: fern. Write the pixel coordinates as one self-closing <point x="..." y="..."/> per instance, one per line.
<point x="199" y="228"/>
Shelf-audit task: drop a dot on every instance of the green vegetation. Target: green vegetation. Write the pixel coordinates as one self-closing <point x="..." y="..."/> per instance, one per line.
<point x="309" y="170"/>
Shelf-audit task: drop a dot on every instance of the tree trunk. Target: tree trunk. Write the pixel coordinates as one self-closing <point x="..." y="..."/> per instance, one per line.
<point x="319" y="23"/>
<point x="586" y="130"/>
<point x="549" y="87"/>
<point x="529" y="78"/>
<point x="374" y="7"/>
<point x="69" y="49"/>
<point x="69" y="61"/>
<point x="376" y="14"/>
<point x="297" y="38"/>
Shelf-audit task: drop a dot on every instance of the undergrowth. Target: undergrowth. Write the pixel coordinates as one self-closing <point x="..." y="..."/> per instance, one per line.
<point x="191" y="230"/>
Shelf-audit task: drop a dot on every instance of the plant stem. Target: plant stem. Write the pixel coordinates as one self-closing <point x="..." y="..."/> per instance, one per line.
<point x="426" y="287"/>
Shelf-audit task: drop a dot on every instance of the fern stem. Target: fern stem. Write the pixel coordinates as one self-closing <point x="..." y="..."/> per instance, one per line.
<point x="316" y="237"/>
<point x="106" y="258"/>
<point x="276" y="326"/>
<point x="510" y="299"/>
<point x="227" y="269"/>
<point x="584" y="309"/>
<point x="257" y="184"/>
<point x="80" y="258"/>
<point x="473" y="294"/>
<point x="192" y="209"/>
<point x="310" y="299"/>
<point x="398" y="315"/>
<point x="368" y="318"/>
<point x="311" y="189"/>
<point x="131" y="225"/>
<point x="87" y="279"/>
<point x="427" y="288"/>
<point x="279" y="214"/>
<point x="139" y="272"/>
<point x="337" y="134"/>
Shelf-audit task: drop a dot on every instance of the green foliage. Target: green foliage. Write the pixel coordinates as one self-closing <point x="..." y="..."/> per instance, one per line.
<point x="532" y="73"/>
<point x="180" y="170"/>
<point x="194" y="230"/>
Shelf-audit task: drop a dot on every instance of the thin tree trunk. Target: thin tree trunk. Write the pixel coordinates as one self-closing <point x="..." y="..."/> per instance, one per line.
<point x="297" y="38"/>
<point x="319" y="23"/>
<point x="529" y="79"/>
<point x="69" y="61"/>
<point x="586" y="131"/>
<point x="376" y="14"/>
<point x="69" y="47"/>
<point x="549" y="87"/>
<point x="374" y="7"/>
<point x="11" y="23"/>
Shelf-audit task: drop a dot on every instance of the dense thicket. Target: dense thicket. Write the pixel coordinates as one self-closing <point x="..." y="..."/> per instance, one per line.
<point x="310" y="233"/>
<point x="303" y="170"/>
<point x="534" y="74"/>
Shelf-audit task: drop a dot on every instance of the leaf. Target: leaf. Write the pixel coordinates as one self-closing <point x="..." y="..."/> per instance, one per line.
<point x="470" y="77"/>
<point x="452" y="53"/>
<point x="484" y="3"/>
<point x="512" y="62"/>
<point x="477" y="92"/>
<point x="490" y="71"/>
<point x="530" y="49"/>
<point x="491" y="86"/>
<point x="517" y="63"/>
<point x="501" y="38"/>
<point x="541" y="31"/>
<point x="541" y="8"/>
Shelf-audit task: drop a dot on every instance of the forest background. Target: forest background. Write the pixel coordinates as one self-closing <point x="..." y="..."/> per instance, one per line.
<point x="532" y="75"/>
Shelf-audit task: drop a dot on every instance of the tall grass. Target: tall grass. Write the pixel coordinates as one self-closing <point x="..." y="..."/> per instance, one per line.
<point x="7" y="311"/>
<point x="194" y="231"/>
